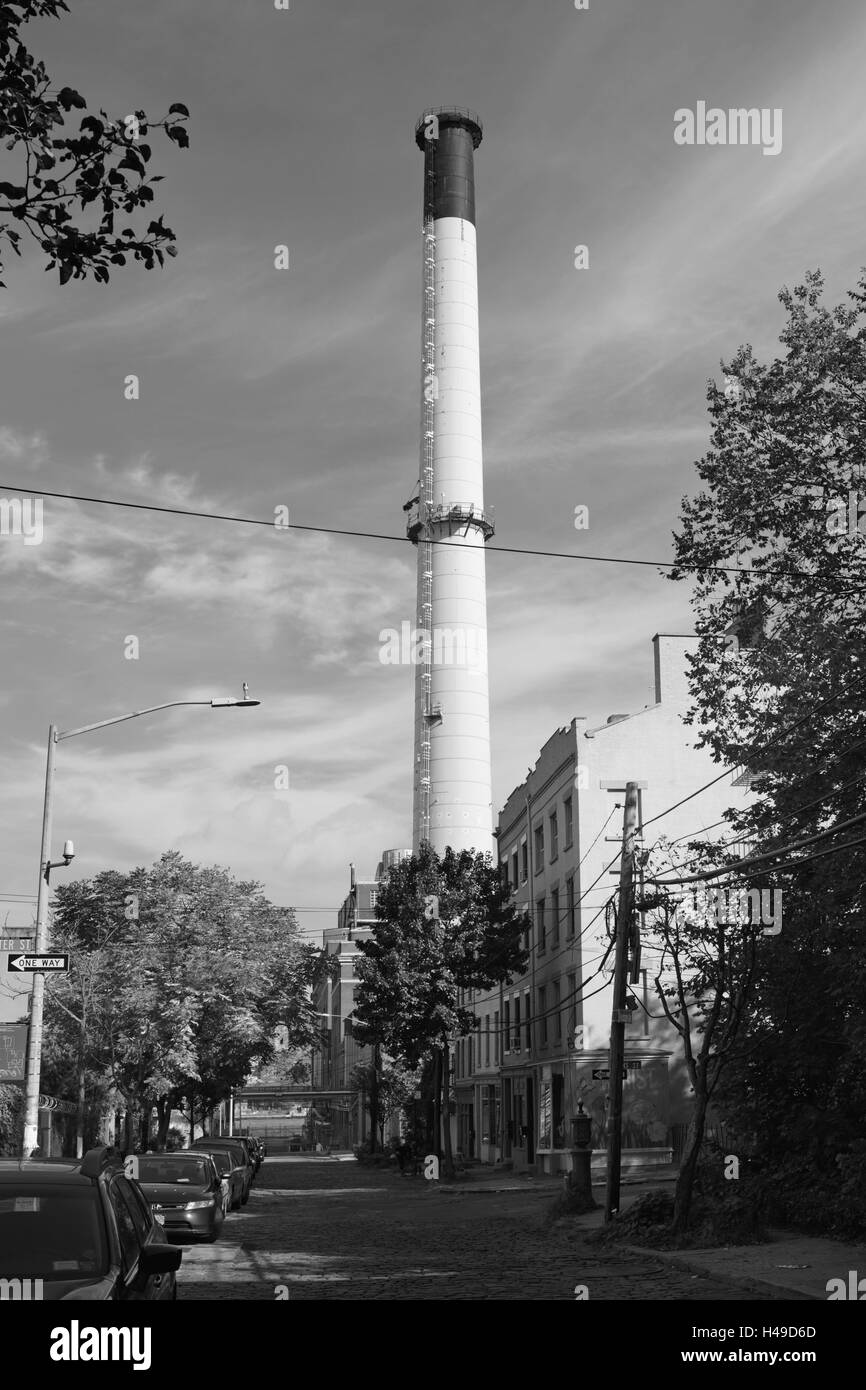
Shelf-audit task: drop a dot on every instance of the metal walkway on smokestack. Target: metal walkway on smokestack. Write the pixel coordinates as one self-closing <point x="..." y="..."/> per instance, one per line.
<point x="454" y="515"/>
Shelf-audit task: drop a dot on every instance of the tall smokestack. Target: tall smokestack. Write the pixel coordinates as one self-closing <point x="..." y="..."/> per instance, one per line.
<point x="452" y="794"/>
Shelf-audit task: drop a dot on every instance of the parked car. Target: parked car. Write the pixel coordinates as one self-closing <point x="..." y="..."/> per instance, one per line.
<point x="241" y="1165"/>
<point x="231" y="1177"/>
<point x="186" y="1190"/>
<point x="252" y="1150"/>
<point x="249" y="1147"/>
<point x="84" y="1229"/>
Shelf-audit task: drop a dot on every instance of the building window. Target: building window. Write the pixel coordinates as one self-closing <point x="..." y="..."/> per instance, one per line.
<point x="503" y="872"/>
<point x="554" y="915"/>
<point x="539" y="848"/>
<point x="524" y="862"/>
<point x="496" y="1038"/>
<point x="487" y="1040"/>
<point x="557" y="1017"/>
<point x="545" y="1128"/>
<point x="506" y="1026"/>
<point x="542" y="1014"/>
<point x="558" y="1108"/>
<point x="541" y="934"/>
<point x="374" y="898"/>
<point x="568" y="805"/>
<point x="514" y="878"/>
<point x="569" y="909"/>
<point x="528" y="1025"/>
<point x="554" y="836"/>
<point x="516" y="1040"/>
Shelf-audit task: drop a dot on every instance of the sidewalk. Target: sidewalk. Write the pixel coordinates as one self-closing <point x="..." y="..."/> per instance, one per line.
<point x="788" y="1266"/>
<point x="486" y="1179"/>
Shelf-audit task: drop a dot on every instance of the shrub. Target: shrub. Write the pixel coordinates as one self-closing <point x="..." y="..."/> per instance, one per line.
<point x="11" y="1120"/>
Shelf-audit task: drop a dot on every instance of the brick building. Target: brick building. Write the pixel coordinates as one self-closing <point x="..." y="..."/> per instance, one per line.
<point x="542" y="1042"/>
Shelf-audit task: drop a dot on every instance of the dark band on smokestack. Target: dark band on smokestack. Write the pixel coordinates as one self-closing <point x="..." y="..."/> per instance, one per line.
<point x="451" y="190"/>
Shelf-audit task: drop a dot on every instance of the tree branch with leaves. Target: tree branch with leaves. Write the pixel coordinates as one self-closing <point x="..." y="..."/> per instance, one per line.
<point x="64" y="175"/>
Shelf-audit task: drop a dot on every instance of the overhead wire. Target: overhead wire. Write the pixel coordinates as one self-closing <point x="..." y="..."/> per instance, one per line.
<point x="383" y="536"/>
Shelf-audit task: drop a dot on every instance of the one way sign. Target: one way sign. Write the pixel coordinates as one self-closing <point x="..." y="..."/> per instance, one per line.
<point x="21" y="964"/>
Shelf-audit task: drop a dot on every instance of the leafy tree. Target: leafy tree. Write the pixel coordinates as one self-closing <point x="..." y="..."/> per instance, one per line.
<point x="72" y="186"/>
<point x="186" y="972"/>
<point x="779" y="686"/>
<point x="707" y="944"/>
<point x="393" y="1086"/>
<point x="288" y="1068"/>
<point x="417" y="967"/>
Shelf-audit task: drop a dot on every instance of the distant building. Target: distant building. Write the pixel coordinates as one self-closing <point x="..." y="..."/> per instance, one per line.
<point x="341" y="1120"/>
<point x="542" y="1041"/>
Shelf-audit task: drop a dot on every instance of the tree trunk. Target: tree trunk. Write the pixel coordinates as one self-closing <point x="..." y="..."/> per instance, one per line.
<point x="163" y="1110"/>
<point x="106" y="1128"/>
<point x="82" y="1101"/>
<point x="144" y="1124"/>
<point x="191" y="1120"/>
<point x="374" y="1098"/>
<point x="446" y="1111"/>
<point x="437" y="1103"/>
<point x="688" y="1167"/>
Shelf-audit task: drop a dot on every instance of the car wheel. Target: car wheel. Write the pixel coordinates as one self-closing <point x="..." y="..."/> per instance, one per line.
<point x="245" y="1198"/>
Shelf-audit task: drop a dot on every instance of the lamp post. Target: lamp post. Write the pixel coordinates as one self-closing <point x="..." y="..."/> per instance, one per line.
<point x="34" y="1042"/>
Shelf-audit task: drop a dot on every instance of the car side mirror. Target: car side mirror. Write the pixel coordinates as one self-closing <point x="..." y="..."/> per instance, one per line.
<point x="159" y="1259"/>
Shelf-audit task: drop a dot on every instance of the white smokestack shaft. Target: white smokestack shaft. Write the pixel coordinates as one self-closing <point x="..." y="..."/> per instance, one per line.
<point x="453" y="799"/>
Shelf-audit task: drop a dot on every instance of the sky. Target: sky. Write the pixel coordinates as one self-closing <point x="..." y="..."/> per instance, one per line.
<point x="262" y="387"/>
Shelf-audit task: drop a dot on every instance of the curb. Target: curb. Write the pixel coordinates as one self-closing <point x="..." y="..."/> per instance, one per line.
<point x="753" y="1283"/>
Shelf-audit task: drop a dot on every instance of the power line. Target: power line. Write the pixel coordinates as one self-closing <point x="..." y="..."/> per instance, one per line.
<point x="752" y="860"/>
<point x="796" y="811"/>
<point x="401" y="540"/>
<point x="547" y="1013"/>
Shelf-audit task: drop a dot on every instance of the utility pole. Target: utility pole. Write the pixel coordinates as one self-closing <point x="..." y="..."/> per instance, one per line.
<point x="619" y="1013"/>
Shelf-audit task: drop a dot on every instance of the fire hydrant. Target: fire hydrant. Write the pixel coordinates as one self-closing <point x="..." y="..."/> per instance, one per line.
<point x="579" y="1180"/>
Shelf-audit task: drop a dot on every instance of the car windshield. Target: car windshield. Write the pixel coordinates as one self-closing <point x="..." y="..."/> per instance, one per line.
<point x="51" y="1231"/>
<point x="192" y="1172"/>
<point x="235" y="1157"/>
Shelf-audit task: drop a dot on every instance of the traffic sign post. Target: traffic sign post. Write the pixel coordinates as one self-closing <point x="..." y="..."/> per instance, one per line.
<point x="20" y="964"/>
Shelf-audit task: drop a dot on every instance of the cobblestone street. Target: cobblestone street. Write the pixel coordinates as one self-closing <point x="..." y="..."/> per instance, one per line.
<point x="328" y="1229"/>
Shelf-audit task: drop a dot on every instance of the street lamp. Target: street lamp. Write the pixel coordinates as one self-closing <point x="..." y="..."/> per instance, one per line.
<point x="34" y="1042"/>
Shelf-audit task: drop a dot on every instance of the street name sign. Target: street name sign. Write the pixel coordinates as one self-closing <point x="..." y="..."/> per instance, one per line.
<point x="22" y="964"/>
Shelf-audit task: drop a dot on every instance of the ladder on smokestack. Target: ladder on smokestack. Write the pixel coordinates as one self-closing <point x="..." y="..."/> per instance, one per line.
<point x="425" y="492"/>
